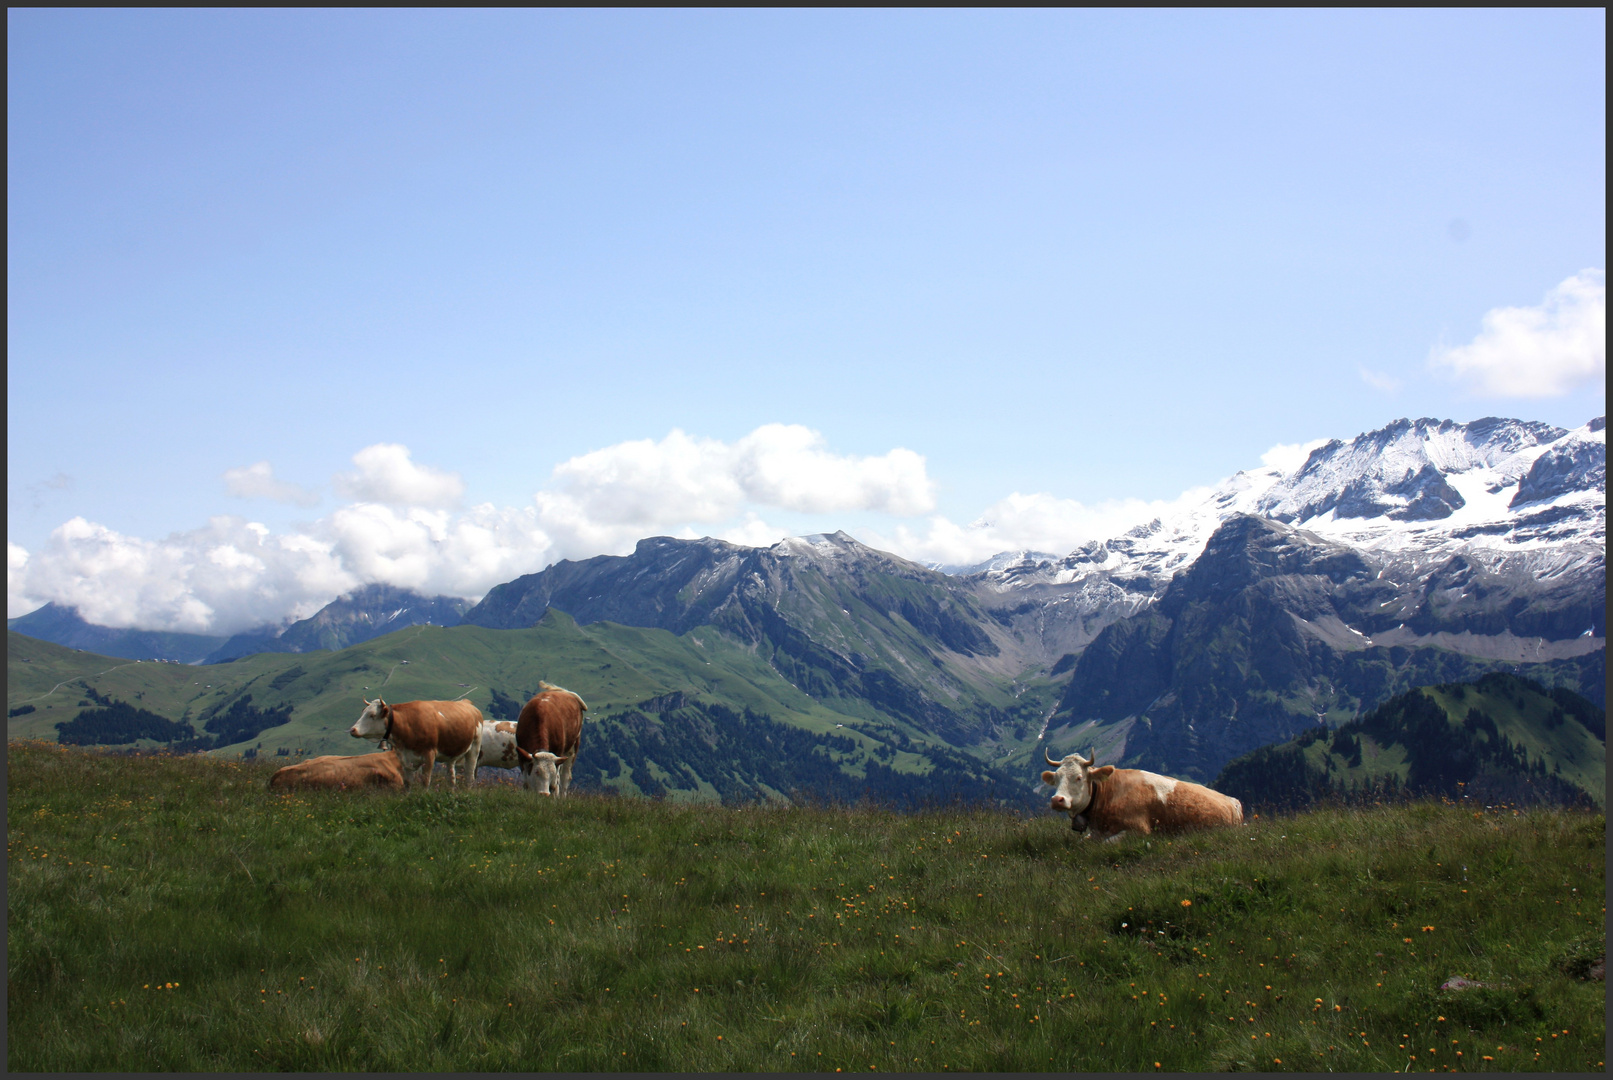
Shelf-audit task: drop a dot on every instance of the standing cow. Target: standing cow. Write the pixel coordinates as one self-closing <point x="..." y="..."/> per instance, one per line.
<point x="1114" y="801"/>
<point x="541" y="772"/>
<point x="424" y="731"/>
<point x="550" y="723"/>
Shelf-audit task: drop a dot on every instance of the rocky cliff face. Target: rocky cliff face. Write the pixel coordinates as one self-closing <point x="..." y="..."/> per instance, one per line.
<point x="365" y="613"/>
<point x="1274" y="629"/>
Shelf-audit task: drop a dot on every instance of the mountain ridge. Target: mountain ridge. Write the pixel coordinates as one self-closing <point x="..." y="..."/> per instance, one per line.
<point x="1426" y="551"/>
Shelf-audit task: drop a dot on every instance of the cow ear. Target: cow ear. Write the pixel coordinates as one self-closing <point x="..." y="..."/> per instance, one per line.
<point x="1048" y="778"/>
<point x="1100" y="772"/>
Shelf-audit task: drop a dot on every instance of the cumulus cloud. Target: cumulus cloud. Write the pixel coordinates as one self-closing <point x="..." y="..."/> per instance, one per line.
<point x="386" y="475"/>
<point x="18" y="601"/>
<point x="259" y="482"/>
<point x="435" y="552"/>
<point x="224" y="577"/>
<point x="603" y="500"/>
<point x="405" y="527"/>
<point x="1542" y="351"/>
<point x="787" y="466"/>
<point x="1288" y="457"/>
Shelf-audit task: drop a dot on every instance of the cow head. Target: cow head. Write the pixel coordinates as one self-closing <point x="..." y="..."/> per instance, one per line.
<point x="540" y="772"/>
<point x="1072" y="781"/>
<point x="374" y="722"/>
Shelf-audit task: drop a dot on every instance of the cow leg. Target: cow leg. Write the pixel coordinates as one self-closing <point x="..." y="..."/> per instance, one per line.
<point x="565" y="774"/>
<point x="430" y="763"/>
<point x="468" y="759"/>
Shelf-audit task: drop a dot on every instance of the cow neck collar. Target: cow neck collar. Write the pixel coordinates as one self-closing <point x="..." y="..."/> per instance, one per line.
<point x="1092" y="797"/>
<point x="386" y="736"/>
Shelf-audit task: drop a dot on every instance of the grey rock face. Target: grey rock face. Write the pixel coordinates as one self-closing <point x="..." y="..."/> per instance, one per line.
<point x="1574" y="466"/>
<point x="1273" y="626"/>
<point x="365" y="613"/>
<point x="836" y="618"/>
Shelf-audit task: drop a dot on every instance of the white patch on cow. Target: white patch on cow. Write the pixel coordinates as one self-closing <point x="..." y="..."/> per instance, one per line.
<point x="1162" y="785"/>
<point x="498" y="745"/>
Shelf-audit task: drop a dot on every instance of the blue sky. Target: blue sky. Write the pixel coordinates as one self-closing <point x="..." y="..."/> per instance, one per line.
<point x="611" y="274"/>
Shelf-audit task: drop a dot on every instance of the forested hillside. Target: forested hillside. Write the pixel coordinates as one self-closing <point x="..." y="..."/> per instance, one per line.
<point x="1500" y="739"/>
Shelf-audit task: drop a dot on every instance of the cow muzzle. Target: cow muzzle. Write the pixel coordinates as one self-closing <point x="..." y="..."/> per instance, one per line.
<point x="1061" y="803"/>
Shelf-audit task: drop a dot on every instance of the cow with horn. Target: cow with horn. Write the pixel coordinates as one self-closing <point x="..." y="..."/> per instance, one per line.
<point x="423" y="733"/>
<point x="1111" y="802"/>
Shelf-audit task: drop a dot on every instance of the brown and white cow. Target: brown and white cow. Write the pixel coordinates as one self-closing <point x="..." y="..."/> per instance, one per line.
<point x="382" y="770"/>
<point x="1113" y="801"/>
<point x="498" y="745"/>
<point x="552" y="722"/>
<point x="422" y="732"/>
<point x="541" y="774"/>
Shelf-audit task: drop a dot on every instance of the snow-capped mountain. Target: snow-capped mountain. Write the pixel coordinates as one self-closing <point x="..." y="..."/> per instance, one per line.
<point x="1517" y="497"/>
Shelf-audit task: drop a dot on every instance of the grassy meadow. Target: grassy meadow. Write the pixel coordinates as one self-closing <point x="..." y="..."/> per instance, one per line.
<point x="170" y="913"/>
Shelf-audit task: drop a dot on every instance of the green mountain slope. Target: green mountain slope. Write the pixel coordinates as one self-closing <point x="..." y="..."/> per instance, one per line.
<point x="1499" y="739"/>
<point x="656" y="702"/>
<point x="862" y="631"/>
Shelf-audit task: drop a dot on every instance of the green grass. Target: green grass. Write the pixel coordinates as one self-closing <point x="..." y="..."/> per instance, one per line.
<point x="169" y="913"/>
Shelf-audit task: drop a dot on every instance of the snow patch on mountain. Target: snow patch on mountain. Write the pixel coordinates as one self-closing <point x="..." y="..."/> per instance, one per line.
<point x="1522" y="499"/>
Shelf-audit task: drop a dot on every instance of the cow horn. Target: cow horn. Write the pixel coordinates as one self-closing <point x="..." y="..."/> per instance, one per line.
<point x="1049" y="757"/>
<point x="1092" y="756"/>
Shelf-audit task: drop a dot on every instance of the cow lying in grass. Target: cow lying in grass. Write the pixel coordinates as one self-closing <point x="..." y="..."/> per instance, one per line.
<point x="1112" y="802"/>
<point x="382" y="770"/>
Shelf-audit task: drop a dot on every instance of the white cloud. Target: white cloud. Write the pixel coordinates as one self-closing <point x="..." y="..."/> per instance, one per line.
<point x="224" y="577"/>
<point x="386" y="475"/>
<point x="786" y="465"/>
<point x="259" y="482"/>
<point x="18" y="602"/>
<point x="404" y="529"/>
<point x="1288" y="457"/>
<point x="608" y="499"/>
<point x="437" y="553"/>
<point x="1378" y="380"/>
<point x="1035" y="522"/>
<point x="1542" y="351"/>
<point x="752" y="532"/>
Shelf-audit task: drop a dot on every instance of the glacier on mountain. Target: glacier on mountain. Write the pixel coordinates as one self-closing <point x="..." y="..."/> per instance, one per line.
<point x="1523" y="500"/>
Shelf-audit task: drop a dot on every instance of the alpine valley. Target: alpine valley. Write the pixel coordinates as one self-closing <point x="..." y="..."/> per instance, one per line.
<point x="1428" y="552"/>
